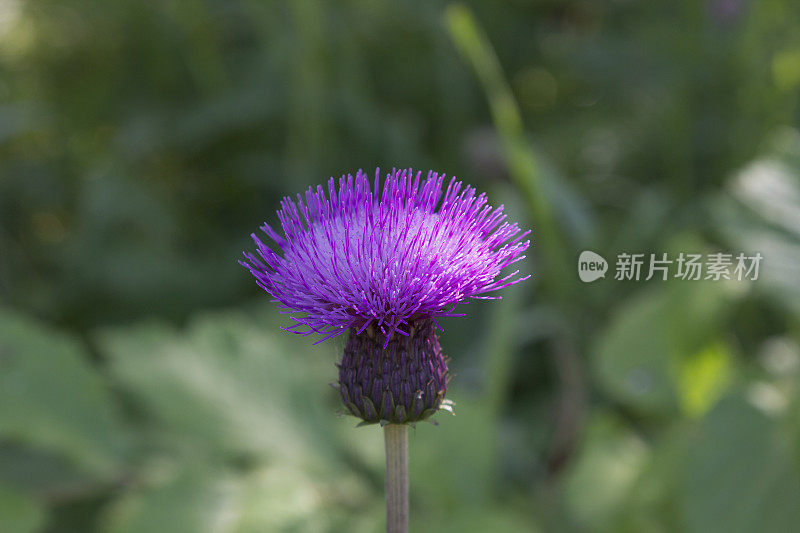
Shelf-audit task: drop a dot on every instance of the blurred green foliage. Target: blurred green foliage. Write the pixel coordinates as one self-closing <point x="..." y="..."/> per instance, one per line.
<point x="145" y="385"/>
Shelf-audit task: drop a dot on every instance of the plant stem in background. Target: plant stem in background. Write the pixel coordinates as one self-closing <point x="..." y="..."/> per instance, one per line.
<point x="525" y="170"/>
<point x="396" y="477"/>
<point x="528" y="174"/>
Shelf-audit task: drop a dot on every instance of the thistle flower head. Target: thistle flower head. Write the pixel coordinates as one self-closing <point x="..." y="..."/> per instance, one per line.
<point x="383" y="263"/>
<point x="360" y="256"/>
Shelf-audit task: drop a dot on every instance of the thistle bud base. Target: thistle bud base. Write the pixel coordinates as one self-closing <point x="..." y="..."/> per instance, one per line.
<point x="401" y="383"/>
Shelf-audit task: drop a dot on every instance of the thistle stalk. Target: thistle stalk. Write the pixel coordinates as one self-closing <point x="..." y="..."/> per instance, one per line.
<point x="396" y="436"/>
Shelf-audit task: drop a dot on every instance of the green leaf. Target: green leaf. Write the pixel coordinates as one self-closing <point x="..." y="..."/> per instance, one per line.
<point x="178" y="502"/>
<point x="761" y="214"/>
<point x="282" y="498"/>
<point x="740" y="473"/>
<point x="52" y="399"/>
<point x="229" y="383"/>
<point x="653" y="502"/>
<point x="640" y="355"/>
<point x="232" y="389"/>
<point x="19" y="513"/>
<point x="195" y="498"/>
<point x="703" y="378"/>
<point x="598" y="482"/>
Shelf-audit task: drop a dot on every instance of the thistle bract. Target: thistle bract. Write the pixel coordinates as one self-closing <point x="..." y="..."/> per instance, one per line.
<point x="401" y="381"/>
<point x="384" y="263"/>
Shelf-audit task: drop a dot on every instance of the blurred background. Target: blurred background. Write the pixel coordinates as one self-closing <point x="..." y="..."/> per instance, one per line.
<point x="145" y="385"/>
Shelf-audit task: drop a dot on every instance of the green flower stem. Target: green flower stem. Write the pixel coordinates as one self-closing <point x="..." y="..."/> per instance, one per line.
<point x="396" y="478"/>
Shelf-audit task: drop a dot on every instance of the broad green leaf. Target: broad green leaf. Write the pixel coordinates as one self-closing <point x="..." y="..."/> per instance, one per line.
<point x="761" y="214"/>
<point x="640" y="354"/>
<point x="195" y="498"/>
<point x="52" y="399"/>
<point x="178" y="502"/>
<point x="598" y="482"/>
<point x="19" y="513"/>
<point x="740" y="473"/>
<point x="234" y="389"/>
<point x="229" y="383"/>
<point x="280" y="497"/>
<point x="653" y="502"/>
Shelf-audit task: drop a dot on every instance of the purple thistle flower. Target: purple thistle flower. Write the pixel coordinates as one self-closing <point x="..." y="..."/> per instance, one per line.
<point x="385" y="262"/>
<point x="356" y="258"/>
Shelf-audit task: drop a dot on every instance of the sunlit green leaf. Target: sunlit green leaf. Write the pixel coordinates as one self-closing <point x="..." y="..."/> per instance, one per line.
<point x="762" y="215"/>
<point x="182" y="501"/>
<point x="228" y="383"/>
<point x="703" y="378"/>
<point x="650" y="337"/>
<point x="52" y="399"/>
